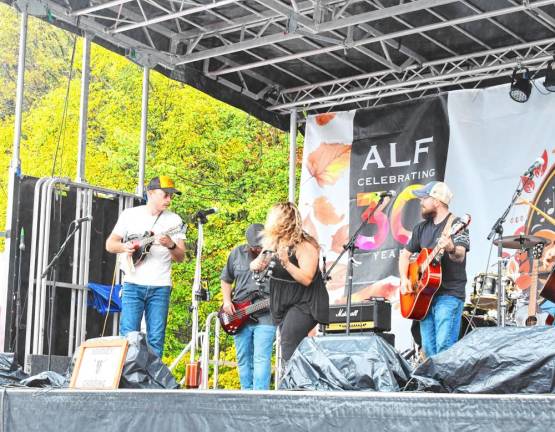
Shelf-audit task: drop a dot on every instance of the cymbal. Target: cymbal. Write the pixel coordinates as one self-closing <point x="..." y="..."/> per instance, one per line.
<point x="520" y="241"/>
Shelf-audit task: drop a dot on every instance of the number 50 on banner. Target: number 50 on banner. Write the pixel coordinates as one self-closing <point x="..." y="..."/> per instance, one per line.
<point x="381" y="221"/>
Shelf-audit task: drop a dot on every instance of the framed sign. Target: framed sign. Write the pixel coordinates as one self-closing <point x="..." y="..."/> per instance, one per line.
<point x="99" y="364"/>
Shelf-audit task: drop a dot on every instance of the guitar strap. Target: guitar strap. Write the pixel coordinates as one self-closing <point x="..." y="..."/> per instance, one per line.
<point x="448" y="225"/>
<point x="156" y="220"/>
<point x="445" y="230"/>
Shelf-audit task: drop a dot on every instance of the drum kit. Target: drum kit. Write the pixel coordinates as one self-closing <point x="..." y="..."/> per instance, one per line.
<point x="484" y="308"/>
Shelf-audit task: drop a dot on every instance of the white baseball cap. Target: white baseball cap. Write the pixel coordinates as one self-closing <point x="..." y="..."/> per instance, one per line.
<point x="437" y="190"/>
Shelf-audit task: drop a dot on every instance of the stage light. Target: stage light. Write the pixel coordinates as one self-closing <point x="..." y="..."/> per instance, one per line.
<point x="520" y="86"/>
<point x="549" y="82"/>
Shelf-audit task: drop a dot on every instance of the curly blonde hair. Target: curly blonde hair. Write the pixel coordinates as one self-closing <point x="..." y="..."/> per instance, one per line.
<point x="284" y="227"/>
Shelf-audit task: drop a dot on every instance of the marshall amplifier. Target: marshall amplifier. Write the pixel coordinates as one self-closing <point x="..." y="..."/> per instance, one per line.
<point x="372" y="315"/>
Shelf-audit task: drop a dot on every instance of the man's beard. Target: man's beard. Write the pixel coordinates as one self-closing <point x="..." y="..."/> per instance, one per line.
<point x="428" y="214"/>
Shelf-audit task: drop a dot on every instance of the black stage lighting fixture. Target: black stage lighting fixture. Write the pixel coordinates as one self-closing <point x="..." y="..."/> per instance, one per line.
<point x="520" y="86"/>
<point x="549" y="82"/>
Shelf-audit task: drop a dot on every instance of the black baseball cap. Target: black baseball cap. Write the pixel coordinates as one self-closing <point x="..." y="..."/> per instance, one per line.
<point x="163" y="182"/>
<point x="254" y="235"/>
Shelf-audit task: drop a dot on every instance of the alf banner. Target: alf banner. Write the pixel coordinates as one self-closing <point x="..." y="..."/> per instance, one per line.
<point x="479" y="142"/>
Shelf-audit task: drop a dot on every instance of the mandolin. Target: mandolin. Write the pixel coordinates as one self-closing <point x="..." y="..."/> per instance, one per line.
<point x="142" y="245"/>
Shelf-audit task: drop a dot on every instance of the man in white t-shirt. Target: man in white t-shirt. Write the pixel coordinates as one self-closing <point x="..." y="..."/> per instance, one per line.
<point x="147" y="287"/>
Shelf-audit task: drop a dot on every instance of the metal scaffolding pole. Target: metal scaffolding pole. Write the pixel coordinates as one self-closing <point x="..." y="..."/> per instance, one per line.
<point x="144" y="128"/>
<point x="292" y="154"/>
<point x="16" y="162"/>
<point x="15" y="166"/>
<point x="84" y="110"/>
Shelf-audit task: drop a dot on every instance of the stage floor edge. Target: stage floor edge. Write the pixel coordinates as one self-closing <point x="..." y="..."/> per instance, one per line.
<point x="219" y="410"/>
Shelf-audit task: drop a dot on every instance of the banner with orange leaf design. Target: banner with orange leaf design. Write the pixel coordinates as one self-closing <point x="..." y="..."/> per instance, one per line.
<point x="478" y="141"/>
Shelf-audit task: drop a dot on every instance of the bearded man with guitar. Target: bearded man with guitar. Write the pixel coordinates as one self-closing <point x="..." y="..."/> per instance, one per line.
<point x="441" y="319"/>
<point x="247" y="316"/>
<point x="147" y="282"/>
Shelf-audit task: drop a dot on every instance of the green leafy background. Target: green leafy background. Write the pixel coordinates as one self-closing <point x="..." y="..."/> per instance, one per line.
<point x="218" y="155"/>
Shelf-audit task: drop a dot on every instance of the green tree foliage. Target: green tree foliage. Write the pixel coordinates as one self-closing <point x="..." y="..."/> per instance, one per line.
<point x="47" y="59"/>
<point x="219" y="156"/>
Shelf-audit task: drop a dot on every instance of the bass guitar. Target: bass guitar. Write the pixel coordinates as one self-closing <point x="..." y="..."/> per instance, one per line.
<point x="232" y="323"/>
<point x="424" y="274"/>
<point x="142" y="244"/>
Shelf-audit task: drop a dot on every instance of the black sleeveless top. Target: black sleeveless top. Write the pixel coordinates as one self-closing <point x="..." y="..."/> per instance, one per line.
<point x="286" y="292"/>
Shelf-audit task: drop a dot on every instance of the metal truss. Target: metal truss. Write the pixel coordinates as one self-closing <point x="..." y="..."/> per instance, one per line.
<point x="222" y="39"/>
<point x="365" y="41"/>
<point x="436" y="74"/>
<point x="305" y="22"/>
<point x="312" y="31"/>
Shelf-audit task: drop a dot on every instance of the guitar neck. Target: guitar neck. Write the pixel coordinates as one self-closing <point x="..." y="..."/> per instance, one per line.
<point x="152" y="238"/>
<point x="255" y="307"/>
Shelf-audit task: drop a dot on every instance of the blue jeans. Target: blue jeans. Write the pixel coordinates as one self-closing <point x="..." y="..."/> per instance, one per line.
<point x="253" y="345"/>
<point x="441" y="327"/>
<point x="154" y="302"/>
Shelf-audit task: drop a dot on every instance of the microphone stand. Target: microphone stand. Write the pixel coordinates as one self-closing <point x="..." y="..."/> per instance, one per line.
<point x="192" y="370"/>
<point x="497" y="230"/>
<point x="51" y="267"/>
<point x="350" y="246"/>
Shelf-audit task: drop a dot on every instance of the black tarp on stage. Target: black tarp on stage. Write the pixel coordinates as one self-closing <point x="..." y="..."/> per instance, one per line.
<point x="215" y="410"/>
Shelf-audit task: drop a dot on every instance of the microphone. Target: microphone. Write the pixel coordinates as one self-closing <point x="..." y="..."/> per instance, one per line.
<point x="271" y="266"/>
<point x="537" y="164"/>
<point x="391" y="194"/>
<point x="204" y="213"/>
<point x="261" y="277"/>
<point x="385" y="199"/>
<point x="83" y="219"/>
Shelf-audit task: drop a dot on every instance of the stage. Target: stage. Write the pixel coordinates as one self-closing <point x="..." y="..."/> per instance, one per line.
<point x="192" y="410"/>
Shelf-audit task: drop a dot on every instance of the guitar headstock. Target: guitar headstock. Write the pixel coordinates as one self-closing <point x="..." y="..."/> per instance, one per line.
<point x="181" y="228"/>
<point x="460" y="224"/>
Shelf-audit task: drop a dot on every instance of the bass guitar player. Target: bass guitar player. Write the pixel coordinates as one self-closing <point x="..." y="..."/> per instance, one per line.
<point x="247" y="318"/>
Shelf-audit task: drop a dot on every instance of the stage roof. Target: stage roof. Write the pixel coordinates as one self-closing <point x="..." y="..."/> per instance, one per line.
<point x="270" y="56"/>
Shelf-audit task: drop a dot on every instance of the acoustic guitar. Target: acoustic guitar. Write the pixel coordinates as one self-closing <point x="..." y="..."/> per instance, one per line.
<point x="424" y="274"/>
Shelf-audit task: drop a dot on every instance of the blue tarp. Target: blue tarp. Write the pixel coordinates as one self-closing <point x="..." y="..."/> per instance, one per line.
<point x="99" y="296"/>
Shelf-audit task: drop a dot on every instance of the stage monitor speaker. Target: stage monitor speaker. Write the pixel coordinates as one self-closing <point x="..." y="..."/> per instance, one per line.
<point x="340" y="362"/>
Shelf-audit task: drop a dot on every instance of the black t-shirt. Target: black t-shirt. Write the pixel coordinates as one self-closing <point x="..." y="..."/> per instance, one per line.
<point x="286" y="292"/>
<point x="425" y="235"/>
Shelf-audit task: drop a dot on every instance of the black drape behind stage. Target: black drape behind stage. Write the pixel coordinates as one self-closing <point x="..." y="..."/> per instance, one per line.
<point x="105" y="211"/>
